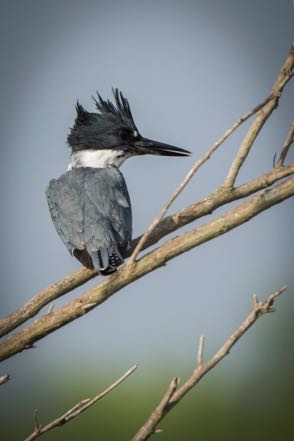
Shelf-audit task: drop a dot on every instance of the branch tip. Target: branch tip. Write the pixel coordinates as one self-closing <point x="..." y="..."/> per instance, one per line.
<point x="158" y="430"/>
<point x="266" y="306"/>
<point x="50" y="309"/>
<point x="200" y="351"/>
<point x="263" y="112"/>
<point x="36" y="420"/>
<point x="88" y="306"/>
<point x="255" y="302"/>
<point x="4" y="378"/>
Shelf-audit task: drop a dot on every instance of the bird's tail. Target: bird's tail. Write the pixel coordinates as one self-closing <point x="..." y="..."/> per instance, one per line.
<point x="106" y="260"/>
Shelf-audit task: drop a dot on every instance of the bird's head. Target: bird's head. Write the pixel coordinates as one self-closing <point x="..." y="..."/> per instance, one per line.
<point x="112" y="132"/>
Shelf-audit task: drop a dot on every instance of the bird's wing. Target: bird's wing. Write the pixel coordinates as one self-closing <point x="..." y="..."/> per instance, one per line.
<point x="63" y="197"/>
<point x="107" y="191"/>
<point x="91" y="211"/>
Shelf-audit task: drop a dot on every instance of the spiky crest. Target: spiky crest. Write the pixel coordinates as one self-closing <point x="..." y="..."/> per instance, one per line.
<point x="121" y="110"/>
<point x="101" y="129"/>
<point x="82" y="117"/>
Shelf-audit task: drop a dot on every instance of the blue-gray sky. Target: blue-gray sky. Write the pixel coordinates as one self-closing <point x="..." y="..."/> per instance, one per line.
<point x="189" y="69"/>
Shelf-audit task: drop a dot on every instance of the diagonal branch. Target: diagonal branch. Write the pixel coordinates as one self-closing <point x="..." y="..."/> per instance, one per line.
<point x="151" y="261"/>
<point x="286" y="72"/>
<point x="197" y="164"/>
<point x="76" y="410"/>
<point x="47" y="295"/>
<point x="175" y="394"/>
<point x="168" y="225"/>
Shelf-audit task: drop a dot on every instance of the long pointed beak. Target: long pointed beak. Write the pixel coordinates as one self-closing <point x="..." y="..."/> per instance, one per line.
<point x="146" y="146"/>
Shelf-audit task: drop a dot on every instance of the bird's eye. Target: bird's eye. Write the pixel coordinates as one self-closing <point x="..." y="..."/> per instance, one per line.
<point x="124" y="133"/>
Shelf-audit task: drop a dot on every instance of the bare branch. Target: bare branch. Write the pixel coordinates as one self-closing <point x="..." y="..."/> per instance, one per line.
<point x="197" y="164"/>
<point x="36" y="420"/>
<point x="287" y="144"/>
<point x="168" y="225"/>
<point x="175" y="394"/>
<point x="200" y="351"/>
<point x="156" y="415"/>
<point x="259" y="309"/>
<point x="155" y="259"/>
<point x="4" y="379"/>
<point x="286" y="72"/>
<point x="76" y="410"/>
<point x="52" y="292"/>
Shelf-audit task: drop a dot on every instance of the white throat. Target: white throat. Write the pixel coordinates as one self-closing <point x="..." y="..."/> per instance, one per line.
<point x="97" y="158"/>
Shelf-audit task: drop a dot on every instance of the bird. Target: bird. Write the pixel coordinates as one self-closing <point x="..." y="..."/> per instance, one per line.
<point x="89" y="204"/>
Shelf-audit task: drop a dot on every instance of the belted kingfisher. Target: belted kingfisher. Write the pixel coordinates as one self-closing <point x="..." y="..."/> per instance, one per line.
<point x="89" y="204"/>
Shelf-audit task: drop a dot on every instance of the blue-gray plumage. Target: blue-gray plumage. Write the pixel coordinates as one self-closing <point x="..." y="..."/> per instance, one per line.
<point x="91" y="210"/>
<point x="90" y="205"/>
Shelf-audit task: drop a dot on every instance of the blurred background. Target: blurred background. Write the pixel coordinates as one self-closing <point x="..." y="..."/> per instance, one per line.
<point x="189" y="69"/>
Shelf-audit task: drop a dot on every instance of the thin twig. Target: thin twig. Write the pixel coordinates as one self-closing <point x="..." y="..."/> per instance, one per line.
<point x="4" y="379"/>
<point x="171" y="399"/>
<point x="287" y="144"/>
<point x="200" y="351"/>
<point x="285" y="74"/>
<point x="36" y="420"/>
<point x="148" y="263"/>
<point x="50" y="309"/>
<point x="76" y="410"/>
<point x="197" y="164"/>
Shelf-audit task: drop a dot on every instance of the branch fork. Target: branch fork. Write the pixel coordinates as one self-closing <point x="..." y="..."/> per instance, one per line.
<point x="75" y="410"/>
<point x="174" y="393"/>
